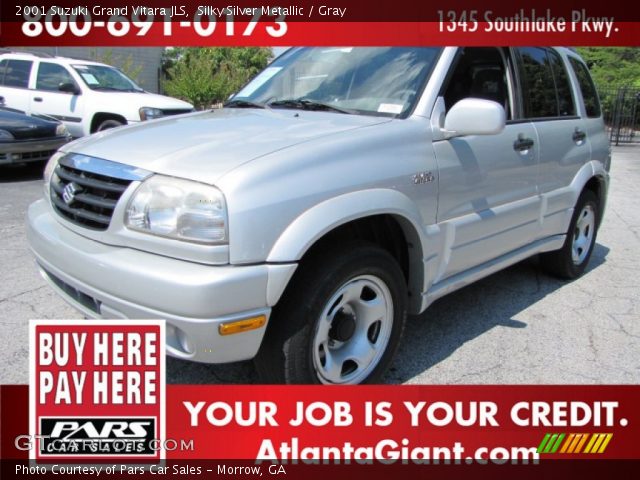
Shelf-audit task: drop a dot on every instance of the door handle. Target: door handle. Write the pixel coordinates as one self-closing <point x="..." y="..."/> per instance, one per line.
<point x="37" y="99"/>
<point x="579" y="136"/>
<point x="522" y="144"/>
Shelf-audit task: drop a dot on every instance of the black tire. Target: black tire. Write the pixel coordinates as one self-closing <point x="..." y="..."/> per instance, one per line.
<point x="288" y="355"/>
<point x="107" y="124"/>
<point x="561" y="263"/>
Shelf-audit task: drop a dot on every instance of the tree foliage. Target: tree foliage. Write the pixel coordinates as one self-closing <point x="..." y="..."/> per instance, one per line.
<point x="205" y="76"/>
<point x="125" y="64"/>
<point x="613" y="66"/>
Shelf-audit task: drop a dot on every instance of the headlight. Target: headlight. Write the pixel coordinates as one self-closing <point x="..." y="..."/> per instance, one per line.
<point x="4" y="135"/>
<point x="149" y="113"/>
<point x="48" y="172"/>
<point x="61" y="130"/>
<point x="180" y="209"/>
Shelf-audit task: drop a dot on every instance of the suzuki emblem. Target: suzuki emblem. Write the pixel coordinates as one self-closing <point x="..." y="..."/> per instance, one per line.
<point x="69" y="193"/>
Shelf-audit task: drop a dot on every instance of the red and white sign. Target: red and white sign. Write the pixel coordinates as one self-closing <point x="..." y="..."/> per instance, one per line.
<point x="97" y="390"/>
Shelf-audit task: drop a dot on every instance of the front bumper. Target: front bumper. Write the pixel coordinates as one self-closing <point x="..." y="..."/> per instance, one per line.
<point x="105" y="281"/>
<point x="30" y="150"/>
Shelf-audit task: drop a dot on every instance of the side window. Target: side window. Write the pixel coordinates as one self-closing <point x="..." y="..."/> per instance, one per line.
<point x="16" y="73"/>
<point x="589" y="93"/>
<point x="3" y="68"/>
<point x="51" y="75"/>
<point x="539" y="90"/>
<point x="479" y="73"/>
<point x="566" y="106"/>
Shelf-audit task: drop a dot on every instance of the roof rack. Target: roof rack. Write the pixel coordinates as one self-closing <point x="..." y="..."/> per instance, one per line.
<point x="30" y="52"/>
<point x="81" y="59"/>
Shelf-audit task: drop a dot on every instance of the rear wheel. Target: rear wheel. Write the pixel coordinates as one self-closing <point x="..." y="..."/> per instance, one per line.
<point x="572" y="259"/>
<point x="340" y="322"/>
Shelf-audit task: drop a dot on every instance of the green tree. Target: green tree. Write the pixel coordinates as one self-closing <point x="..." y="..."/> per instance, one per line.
<point x="613" y="66"/>
<point x="205" y="76"/>
<point x="126" y="64"/>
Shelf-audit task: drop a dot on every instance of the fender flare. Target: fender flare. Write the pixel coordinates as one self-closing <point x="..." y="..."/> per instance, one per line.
<point x="324" y="217"/>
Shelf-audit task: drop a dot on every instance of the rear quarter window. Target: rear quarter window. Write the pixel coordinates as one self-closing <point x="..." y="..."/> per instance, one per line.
<point x="15" y="73"/>
<point x="587" y="87"/>
<point x="546" y="87"/>
<point x="539" y="90"/>
<point x="566" y="106"/>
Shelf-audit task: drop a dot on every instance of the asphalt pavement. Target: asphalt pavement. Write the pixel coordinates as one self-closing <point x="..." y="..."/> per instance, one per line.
<point x="517" y="326"/>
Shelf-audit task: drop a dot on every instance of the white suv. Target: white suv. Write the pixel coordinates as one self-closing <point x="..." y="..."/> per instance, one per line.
<point x="87" y="96"/>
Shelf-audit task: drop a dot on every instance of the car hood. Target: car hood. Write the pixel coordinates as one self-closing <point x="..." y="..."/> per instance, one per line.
<point x="24" y="127"/>
<point x="204" y="146"/>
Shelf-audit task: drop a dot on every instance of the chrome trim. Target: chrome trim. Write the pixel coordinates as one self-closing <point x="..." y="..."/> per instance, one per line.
<point x="104" y="167"/>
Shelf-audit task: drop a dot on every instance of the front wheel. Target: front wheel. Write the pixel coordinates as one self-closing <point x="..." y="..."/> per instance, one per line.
<point x="572" y="259"/>
<point x="108" y="124"/>
<point x="340" y="322"/>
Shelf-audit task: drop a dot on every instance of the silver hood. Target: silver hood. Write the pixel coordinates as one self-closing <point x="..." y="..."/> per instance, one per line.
<point x="204" y="146"/>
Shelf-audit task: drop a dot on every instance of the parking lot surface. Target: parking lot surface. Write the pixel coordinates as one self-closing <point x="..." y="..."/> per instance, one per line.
<point x="517" y="326"/>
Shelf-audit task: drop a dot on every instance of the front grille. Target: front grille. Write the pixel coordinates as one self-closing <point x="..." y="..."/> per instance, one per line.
<point x="176" y="111"/>
<point x="27" y="156"/>
<point x="90" y="198"/>
<point x="44" y="155"/>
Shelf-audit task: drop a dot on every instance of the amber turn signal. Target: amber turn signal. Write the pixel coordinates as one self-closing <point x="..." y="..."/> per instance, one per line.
<point x="240" y="326"/>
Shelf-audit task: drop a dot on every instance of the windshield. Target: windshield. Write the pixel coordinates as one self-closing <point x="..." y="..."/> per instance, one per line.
<point x="101" y="77"/>
<point x="371" y="81"/>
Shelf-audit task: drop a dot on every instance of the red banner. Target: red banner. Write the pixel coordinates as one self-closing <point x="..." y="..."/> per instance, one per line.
<point x="317" y="33"/>
<point x="389" y="424"/>
<point x="411" y="422"/>
<point x="248" y="23"/>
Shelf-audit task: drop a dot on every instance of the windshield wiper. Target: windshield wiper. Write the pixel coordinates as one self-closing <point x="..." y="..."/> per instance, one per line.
<point x="101" y="87"/>
<point x="115" y="89"/>
<point x="237" y="103"/>
<point x="306" y="104"/>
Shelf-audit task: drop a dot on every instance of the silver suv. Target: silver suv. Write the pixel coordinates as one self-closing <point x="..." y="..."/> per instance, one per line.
<point x="337" y="192"/>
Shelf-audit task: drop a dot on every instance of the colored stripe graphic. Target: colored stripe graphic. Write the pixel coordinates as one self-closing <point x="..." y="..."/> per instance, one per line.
<point x="555" y="443"/>
<point x="581" y="442"/>
<point x="579" y="437"/>
<point x="567" y="443"/>
<point x="550" y="443"/>
<point x="543" y="443"/>
<point x="603" y="447"/>
<point x="592" y="440"/>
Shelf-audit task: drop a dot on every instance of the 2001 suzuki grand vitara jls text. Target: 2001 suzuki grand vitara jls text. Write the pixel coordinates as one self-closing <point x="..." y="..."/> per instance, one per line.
<point x="339" y="190"/>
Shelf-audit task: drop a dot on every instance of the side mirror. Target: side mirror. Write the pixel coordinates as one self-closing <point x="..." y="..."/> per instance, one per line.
<point x="69" y="87"/>
<point x="474" y="116"/>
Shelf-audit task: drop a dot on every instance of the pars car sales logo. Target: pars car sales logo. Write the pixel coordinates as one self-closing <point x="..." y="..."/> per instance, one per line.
<point x="97" y="390"/>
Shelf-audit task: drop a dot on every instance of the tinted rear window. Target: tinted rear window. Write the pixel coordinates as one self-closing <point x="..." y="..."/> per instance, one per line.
<point x="566" y="107"/>
<point x="546" y="86"/>
<point x="15" y="73"/>
<point x="589" y="93"/>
